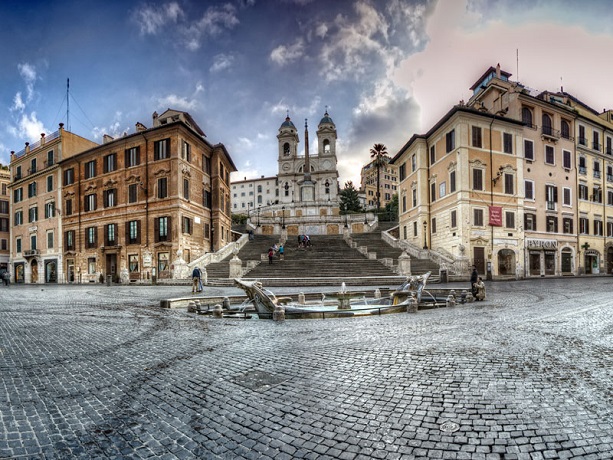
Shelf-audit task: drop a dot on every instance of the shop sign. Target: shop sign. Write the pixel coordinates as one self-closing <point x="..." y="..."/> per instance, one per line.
<point x="496" y="216"/>
<point x="541" y="244"/>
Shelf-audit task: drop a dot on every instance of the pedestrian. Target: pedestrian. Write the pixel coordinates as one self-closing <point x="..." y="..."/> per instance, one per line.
<point x="480" y="287"/>
<point x="271" y="254"/>
<point x="281" y="252"/>
<point x="6" y="277"/>
<point x="474" y="277"/>
<point x="196" y="282"/>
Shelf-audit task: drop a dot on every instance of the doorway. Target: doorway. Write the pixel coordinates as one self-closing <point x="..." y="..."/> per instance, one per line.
<point x="479" y="259"/>
<point x="111" y="265"/>
<point x="567" y="261"/>
<point x="34" y="271"/>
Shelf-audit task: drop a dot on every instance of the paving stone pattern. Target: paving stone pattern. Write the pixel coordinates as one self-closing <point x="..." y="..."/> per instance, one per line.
<point x="102" y="372"/>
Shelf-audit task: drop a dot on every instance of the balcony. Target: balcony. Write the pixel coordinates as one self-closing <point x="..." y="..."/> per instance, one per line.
<point x="551" y="206"/>
<point x="31" y="170"/>
<point x="596" y="146"/>
<point x="31" y="252"/>
<point x="582" y="170"/>
<point x="597" y="174"/>
<point x="582" y="141"/>
<point x="550" y="133"/>
<point x="609" y="177"/>
<point x="609" y="151"/>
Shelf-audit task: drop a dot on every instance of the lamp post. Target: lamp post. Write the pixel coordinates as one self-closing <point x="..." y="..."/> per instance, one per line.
<point x="425" y="235"/>
<point x="346" y="225"/>
<point x="259" y="206"/>
<point x="283" y="217"/>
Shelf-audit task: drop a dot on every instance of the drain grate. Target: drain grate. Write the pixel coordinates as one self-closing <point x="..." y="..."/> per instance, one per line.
<point x="449" y="427"/>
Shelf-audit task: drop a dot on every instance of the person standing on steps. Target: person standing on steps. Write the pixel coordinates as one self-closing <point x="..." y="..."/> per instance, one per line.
<point x="281" y="252"/>
<point x="271" y="254"/>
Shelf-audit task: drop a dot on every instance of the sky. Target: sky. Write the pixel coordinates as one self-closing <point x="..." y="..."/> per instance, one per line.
<point x="383" y="69"/>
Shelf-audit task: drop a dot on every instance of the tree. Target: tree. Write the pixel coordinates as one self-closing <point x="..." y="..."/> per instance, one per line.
<point x="349" y="199"/>
<point x="378" y="152"/>
<point x="391" y="208"/>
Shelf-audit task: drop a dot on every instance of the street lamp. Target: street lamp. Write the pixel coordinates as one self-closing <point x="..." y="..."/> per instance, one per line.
<point x="425" y="236"/>
<point x="346" y="226"/>
<point x="283" y="217"/>
<point x="259" y="206"/>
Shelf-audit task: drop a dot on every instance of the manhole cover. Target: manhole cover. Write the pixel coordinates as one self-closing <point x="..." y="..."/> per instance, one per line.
<point x="449" y="427"/>
<point x="258" y="380"/>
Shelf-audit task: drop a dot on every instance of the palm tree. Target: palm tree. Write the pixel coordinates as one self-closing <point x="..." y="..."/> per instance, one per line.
<point x="378" y="152"/>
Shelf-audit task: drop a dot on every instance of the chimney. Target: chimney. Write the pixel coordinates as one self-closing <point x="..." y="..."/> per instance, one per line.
<point x="27" y="149"/>
<point x="42" y="138"/>
<point x="61" y="126"/>
<point x="12" y="155"/>
<point x="498" y="70"/>
<point x="106" y="138"/>
<point x="140" y="127"/>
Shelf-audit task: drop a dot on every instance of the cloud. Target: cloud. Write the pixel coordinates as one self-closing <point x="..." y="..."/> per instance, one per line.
<point x="28" y="127"/>
<point x="151" y="19"/>
<point x="215" y="20"/>
<point x="177" y="102"/>
<point x="222" y="62"/>
<point x="286" y="54"/>
<point x="18" y="104"/>
<point x="114" y="130"/>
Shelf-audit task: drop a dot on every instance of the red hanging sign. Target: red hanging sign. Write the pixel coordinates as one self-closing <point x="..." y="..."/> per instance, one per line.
<point x="496" y="216"/>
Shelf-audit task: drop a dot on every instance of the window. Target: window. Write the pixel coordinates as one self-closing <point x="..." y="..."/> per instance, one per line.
<point x="509" y="219"/>
<point x="442" y="189"/>
<point x="413" y="163"/>
<point x="547" y="125"/>
<point x="609" y="228"/>
<point x="206" y="162"/>
<point x="110" y="198"/>
<point x="432" y="154"/>
<point x="567" y="225"/>
<point x="565" y="129"/>
<point x="186" y="153"/>
<point x="414" y="198"/>
<point x="17" y="195"/>
<point x="551" y="194"/>
<point x="133" y="232"/>
<point x="33" y="166"/>
<point x="91" y="237"/>
<point x="549" y="155"/>
<point x="582" y="139"/>
<point x="186" y="189"/>
<point x="583" y="193"/>
<point x="582" y="165"/>
<point x="526" y="116"/>
<point x="69" y="176"/>
<point x="90" y="202"/>
<point x="33" y="241"/>
<point x="414" y="228"/>
<point x="609" y="197"/>
<point x="404" y="203"/>
<point x="477" y="179"/>
<point x="50" y="159"/>
<point x="162" y="229"/>
<point x="132" y="157"/>
<point x="68" y="207"/>
<point x="566" y="196"/>
<point x="161" y="149"/>
<point x="90" y="169"/>
<point x="186" y="226"/>
<point x="49" y="209"/>
<point x="69" y="240"/>
<point x="509" y="188"/>
<point x="528" y="150"/>
<point x="402" y="171"/>
<point x="91" y="265"/>
<point x="450" y="140"/>
<point x="433" y="225"/>
<point x="33" y="214"/>
<point x="132" y="193"/>
<point x="452" y="182"/>
<point x="529" y="190"/>
<point x="454" y="219"/>
<point x="609" y="149"/>
<point x="609" y="173"/>
<point x="4" y="207"/>
<point x="133" y="263"/>
<point x="530" y="222"/>
<point x="596" y="140"/>
<point x="584" y="225"/>
<point x="17" y="172"/>
<point x="18" y="244"/>
<point x="110" y="163"/>
<point x="598" y="227"/>
<point x="477" y="141"/>
<point x="566" y="158"/>
<point x="206" y="198"/>
<point x="433" y="192"/>
<point x="597" y="169"/>
<point x="507" y="143"/>
<point x="478" y="217"/>
<point x="50" y="183"/>
<point x="110" y="235"/>
<point x="31" y="189"/>
<point x="552" y="224"/>
<point x="162" y="187"/>
<point x="18" y="219"/>
<point x="597" y="194"/>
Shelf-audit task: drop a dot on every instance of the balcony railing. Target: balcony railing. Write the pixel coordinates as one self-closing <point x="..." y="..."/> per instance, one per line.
<point x="530" y="125"/>
<point x="31" y="170"/>
<point x="582" y="141"/>
<point x="596" y="146"/>
<point x="551" y="206"/>
<point x="582" y="170"/>
<point x="597" y="174"/>
<point x="609" y="151"/>
<point x="31" y="252"/>
<point x="548" y="131"/>
<point x="609" y="177"/>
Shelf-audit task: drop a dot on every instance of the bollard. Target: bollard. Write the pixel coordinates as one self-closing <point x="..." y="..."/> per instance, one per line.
<point x="301" y="299"/>
<point x="191" y="306"/>
<point x="450" y="302"/>
<point x="226" y="303"/>
<point x="377" y="293"/>
<point x="463" y="295"/>
<point x="469" y="297"/>
<point x="412" y="306"/>
<point x="279" y="313"/>
<point x="217" y="311"/>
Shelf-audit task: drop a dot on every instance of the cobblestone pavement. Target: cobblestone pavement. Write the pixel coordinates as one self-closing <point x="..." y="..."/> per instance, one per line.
<point x="102" y="372"/>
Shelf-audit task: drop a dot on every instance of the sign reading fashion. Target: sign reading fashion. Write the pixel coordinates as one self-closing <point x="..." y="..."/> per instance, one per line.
<point x="541" y="244"/>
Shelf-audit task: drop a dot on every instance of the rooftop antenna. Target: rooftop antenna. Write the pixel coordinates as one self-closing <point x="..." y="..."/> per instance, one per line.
<point x="517" y="63"/>
<point x="68" y="104"/>
<point x="561" y="86"/>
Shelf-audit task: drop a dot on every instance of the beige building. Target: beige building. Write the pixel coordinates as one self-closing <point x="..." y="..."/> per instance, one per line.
<point x="35" y="188"/>
<point x="5" y="226"/>
<point x="387" y="180"/>
<point x="143" y="205"/>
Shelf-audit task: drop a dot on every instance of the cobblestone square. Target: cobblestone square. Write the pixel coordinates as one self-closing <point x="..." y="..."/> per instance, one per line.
<point x="103" y="372"/>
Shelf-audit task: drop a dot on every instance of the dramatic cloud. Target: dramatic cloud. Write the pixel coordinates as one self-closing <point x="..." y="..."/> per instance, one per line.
<point x="151" y="19"/>
<point x="28" y="127"/>
<point x="215" y="20"/>
<point x="284" y="54"/>
<point x="222" y="62"/>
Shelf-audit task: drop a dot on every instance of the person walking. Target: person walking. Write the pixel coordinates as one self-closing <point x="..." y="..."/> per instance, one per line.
<point x="271" y="254"/>
<point x="196" y="275"/>
<point x="281" y="252"/>
<point x="474" y="277"/>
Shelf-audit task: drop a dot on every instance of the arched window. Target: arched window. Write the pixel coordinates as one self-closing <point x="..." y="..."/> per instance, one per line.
<point x="286" y="149"/>
<point x="565" y="129"/>
<point x="326" y="146"/>
<point x="547" y="125"/>
<point x="286" y="189"/>
<point x="526" y="116"/>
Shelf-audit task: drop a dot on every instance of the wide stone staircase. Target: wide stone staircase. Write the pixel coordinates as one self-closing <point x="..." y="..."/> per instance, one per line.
<point x="250" y="251"/>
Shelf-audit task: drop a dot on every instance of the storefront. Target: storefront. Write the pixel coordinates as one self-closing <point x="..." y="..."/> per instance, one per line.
<point x="544" y="259"/>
